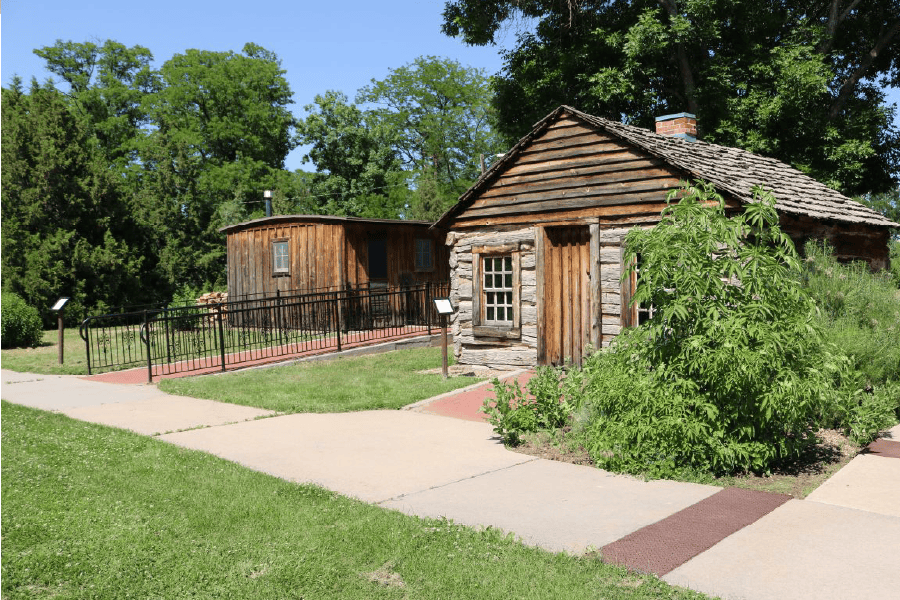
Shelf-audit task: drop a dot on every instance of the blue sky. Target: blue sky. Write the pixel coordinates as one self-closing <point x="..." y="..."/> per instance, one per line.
<point x="322" y="45"/>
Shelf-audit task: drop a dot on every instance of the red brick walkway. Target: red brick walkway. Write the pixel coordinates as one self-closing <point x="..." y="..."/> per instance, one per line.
<point x="466" y="404"/>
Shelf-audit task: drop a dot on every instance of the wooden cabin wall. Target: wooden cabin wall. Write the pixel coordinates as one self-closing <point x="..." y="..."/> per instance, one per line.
<point x="313" y="248"/>
<point x="401" y="253"/>
<point x="489" y="351"/>
<point x="849" y="242"/>
<point x="570" y="176"/>
<point x="523" y="352"/>
<point x="573" y="173"/>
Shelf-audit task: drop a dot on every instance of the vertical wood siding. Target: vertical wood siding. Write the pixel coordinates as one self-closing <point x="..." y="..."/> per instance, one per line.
<point x="566" y="310"/>
<point x="330" y="255"/>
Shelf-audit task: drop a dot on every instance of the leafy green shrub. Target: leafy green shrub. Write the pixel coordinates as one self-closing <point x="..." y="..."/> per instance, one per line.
<point x="859" y="312"/>
<point x="731" y="372"/>
<point x="21" y="324"/>
<point x="514" y="413"/>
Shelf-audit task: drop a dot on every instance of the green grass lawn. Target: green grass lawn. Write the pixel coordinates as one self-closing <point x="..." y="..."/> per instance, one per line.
<point x="387" y="380"/>
<point x="45" y="358"/>
<point x="94" y="512"/>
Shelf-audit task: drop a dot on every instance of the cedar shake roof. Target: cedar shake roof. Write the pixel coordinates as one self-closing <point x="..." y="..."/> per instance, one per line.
<point x="730" y="170"/>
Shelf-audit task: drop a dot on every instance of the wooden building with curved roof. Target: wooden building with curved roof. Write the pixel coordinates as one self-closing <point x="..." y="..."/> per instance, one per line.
<point x="306" y="253"/>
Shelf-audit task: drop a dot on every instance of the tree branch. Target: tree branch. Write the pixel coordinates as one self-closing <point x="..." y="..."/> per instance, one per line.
<point x="834" y="21"/>
<point x="684" y="66"/>
<point x="850" y="84"/>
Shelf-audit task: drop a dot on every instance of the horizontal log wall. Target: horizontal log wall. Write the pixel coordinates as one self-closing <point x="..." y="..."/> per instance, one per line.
<point x="571" y="175"/>
<point x="573" y="172"/>
<point x="491" y="351"/>
<point x="848" y="241"/>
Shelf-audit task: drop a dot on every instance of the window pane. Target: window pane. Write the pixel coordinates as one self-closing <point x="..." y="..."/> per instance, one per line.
<point x="508" y="280"/>
<point x="498" y="264"/>
<point x="501" y="313"/>
<point x="490" y="297"/>
<point x="509" y="263"/>
<point x="498" y="281"/>
<point x="487" y="264"/>
<point x="487" y="280"/>
<point x="490" y="313"/>
<point x="509" y="298"/>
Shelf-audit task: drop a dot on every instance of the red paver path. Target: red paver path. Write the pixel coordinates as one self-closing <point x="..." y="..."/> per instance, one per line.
<point x="466" y="404"/>
<point x="667" y="544"/>
<point x="213" y="364"/>
<point x="882" y="447"/>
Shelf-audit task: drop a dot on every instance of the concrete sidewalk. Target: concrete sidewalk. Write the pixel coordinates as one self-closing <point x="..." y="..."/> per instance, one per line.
<point x="841" y="542"/>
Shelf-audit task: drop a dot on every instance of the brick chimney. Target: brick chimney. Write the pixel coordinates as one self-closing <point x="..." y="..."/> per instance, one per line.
<point x="681" y="125"/>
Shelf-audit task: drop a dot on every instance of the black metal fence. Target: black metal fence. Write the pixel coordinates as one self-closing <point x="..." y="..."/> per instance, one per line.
<point x="213" y="336"/>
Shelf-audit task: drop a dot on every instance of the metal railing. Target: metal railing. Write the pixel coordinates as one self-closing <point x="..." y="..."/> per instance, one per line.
<point x="214" y="336"/>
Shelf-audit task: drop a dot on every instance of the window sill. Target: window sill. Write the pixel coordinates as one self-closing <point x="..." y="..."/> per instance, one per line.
<point x="495" y="331"/>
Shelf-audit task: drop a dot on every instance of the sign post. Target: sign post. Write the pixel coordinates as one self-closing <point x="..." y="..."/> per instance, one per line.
<point x="59" y="307"/>
<point x="444" y="308"/>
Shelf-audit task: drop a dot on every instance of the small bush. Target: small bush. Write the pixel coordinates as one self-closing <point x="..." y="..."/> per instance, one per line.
<point x="514" y="414"/>
<point x="859" y="312"/>
<point x="21" y="324"/>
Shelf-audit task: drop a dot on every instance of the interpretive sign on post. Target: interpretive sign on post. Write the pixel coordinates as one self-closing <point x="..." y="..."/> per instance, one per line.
<point x="444" y="308"/>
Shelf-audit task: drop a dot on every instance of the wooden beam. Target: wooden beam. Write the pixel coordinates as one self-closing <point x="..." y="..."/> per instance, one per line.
<point x="584" y="168"/>
<point x="607" y="213"/>
<point x="539" y="241"/>
<point x="641" y="173"/>
<point x="578" y="198"/>
<point x="611" y="156"/>
<point x="584" y="149"/>
<point x="596" y="324"/>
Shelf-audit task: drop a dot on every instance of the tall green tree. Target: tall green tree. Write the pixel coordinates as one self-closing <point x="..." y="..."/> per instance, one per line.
<point x="798" y="80"/>
<point x="221" y="130"/>
<point x="107" y="85"/>
<point x="358" y="171"/>
<point x="65" y="228"/>
<point x="442" y="114"/>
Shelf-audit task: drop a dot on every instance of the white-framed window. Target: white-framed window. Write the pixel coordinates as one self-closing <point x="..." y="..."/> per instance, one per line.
<point x="496" y="282"/>
<point x="424" y="254"/>
<point x="281" y="258"/>
<point x="497" y="290"/>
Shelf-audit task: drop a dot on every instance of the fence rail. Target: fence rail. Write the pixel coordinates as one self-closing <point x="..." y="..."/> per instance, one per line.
<point x="171" y="340"/>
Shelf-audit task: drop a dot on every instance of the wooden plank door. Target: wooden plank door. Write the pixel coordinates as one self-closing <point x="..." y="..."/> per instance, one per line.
<point x="566" y="312"/>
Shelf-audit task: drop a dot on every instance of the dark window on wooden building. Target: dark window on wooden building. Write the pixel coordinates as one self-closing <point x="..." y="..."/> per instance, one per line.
<point x="378" y="264"/>
<point x="424" y="254"/>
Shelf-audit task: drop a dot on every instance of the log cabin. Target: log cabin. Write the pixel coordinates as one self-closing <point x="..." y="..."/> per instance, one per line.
<point x="314" y="253"/>
<point x="535" y="244"/>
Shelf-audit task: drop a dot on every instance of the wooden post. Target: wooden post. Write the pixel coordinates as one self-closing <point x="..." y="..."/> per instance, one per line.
<point x="59" y="322"/>
<point x="444" y="346"/>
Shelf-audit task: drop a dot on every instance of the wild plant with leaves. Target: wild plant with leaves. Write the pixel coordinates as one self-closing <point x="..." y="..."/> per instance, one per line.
<point x="731" y="372"/>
